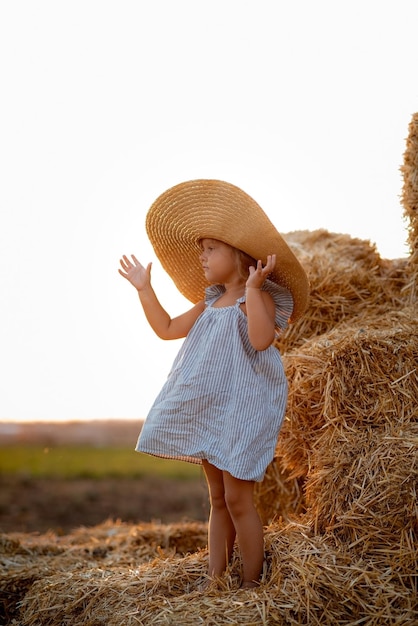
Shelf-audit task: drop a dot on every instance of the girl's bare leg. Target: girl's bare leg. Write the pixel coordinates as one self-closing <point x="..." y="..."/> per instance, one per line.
<point x="222" y="532"/>
<point x="239" y="497"/>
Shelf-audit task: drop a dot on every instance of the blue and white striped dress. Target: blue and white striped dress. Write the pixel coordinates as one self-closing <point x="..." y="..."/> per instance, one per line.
<point x="223" y="400"/>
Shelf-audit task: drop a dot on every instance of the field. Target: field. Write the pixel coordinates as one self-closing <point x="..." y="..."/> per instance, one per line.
<point x="46" y="484"/>
<point x="74" y="462"/>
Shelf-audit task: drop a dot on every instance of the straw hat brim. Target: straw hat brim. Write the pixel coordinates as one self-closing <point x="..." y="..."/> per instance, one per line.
<point x="190" y="211"/>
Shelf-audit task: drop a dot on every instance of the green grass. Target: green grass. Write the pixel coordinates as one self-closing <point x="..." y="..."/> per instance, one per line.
<point x="89" y="462"/>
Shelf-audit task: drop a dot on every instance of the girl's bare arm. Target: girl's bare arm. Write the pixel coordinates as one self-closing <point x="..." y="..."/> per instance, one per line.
<point x="260" y="306"/>
<point x="158" y="318"/>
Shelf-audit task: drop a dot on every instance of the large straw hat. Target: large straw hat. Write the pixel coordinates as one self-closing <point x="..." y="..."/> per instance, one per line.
<point x="214" y="209"/>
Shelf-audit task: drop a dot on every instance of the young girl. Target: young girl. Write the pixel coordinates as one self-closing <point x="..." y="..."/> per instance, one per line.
<point x="225" y="397"/>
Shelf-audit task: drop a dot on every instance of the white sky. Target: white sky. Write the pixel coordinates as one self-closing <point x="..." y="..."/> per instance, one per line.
<point x="104" y="105"/>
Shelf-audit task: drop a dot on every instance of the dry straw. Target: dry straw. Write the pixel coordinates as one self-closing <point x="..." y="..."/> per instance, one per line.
<point x="340" y="499"/>
<point x="279" y="496"/>
<point x="308" y="579"/>
<point x="349" y="380"/>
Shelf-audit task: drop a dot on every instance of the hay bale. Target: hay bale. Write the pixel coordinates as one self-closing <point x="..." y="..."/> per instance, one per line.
<point x="342" y="385"/>
<point x="352" y="429"/>
<point x="346" y="380"/>
<point x="365" y="489"/>
<point x="348" y="281"/>
<point x="409" y="170"/>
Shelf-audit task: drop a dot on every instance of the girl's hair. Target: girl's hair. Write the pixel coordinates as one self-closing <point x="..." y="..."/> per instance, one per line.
<point x="244" y="261"/>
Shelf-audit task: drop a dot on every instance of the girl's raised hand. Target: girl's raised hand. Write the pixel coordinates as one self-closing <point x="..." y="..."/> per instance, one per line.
<point x="138" y="275"/>
<point x="259" y="274"/>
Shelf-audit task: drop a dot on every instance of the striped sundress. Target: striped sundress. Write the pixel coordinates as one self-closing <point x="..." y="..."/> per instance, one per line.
<point x="223" y="400"/>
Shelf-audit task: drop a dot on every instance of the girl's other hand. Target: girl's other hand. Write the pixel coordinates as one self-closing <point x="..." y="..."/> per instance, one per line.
<point x="138" y="275"/>
<point x="259" y="274"/>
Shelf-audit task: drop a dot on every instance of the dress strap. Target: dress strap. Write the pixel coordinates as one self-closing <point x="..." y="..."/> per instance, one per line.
<point x="213" y="293"/>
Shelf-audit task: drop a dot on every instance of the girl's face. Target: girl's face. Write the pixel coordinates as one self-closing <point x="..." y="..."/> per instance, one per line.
<point x="219" y="261"/>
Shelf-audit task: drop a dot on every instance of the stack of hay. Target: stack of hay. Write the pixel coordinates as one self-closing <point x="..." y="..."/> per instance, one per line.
<point x="340" y="499"/>
<point x="118" y="574"/>
<point x="349" y="444"/>
<point x="346" y="357"/>
<point x="352" y="289"/>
